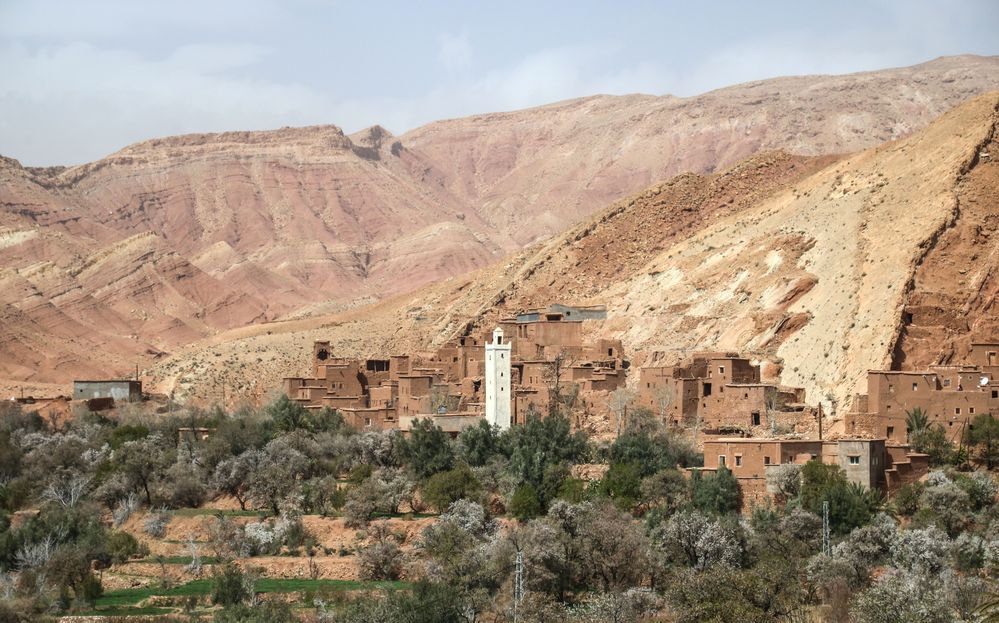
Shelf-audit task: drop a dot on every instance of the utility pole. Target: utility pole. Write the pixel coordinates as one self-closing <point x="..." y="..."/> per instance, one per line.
<point x="518" y="584"/>
<point x="826" y="546"/>
<point x="820" y="420"/>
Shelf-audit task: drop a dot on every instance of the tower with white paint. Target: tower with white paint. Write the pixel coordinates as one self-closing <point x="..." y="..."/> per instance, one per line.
<point x="498" y="381"/>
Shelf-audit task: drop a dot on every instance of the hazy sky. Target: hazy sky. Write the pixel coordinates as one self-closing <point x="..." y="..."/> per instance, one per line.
<point x="82" y="78"/>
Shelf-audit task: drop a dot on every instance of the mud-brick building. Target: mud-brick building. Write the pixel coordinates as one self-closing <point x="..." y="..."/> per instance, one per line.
<point x="870" y="463"/>
<point x="450" y="382"/>
<point x="718" y="391"/>
<point x="950" y="395"/>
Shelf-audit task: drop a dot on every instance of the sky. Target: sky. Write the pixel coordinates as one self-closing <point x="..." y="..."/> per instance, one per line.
<point x="82" y="79"/>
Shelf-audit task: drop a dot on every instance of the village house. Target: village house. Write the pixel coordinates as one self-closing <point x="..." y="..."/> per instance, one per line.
<point x="870" y="463"/>
<point x="546" y="348"/>
<point x="951" y="396"/>
<point x="718" y="392"/>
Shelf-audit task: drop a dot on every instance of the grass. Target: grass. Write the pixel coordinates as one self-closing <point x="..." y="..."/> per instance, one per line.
<point x="131" y="596"/>
<point x="196" y="512"/>
<point x="178" y="560"/>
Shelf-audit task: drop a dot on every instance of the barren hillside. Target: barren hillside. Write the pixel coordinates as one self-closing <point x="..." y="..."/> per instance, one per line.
<point x="126" y="260"/>
<point x="811" y="264"/>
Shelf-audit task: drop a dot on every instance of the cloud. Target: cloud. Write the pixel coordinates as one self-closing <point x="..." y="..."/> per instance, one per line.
<point x="455" y="53"/>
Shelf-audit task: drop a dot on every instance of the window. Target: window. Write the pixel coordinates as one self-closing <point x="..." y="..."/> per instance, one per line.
<point x="721" y="369"/>
<point x="891" y="431"/>
<point x="854" y="459"/>
<point x="756" y="418"/>
<point x="766" y="460"/>
<point x="891" y="388"/>
<point x="367" y="421"/>
<point x="971" y="410"/>
<point x="946" y="383"/>
<point x="995" y="393"/>
<point x="707" y="389"/>
<point x="957" y="410"/>
<point x="610" y="352"/>
<point x="738" y="460"/>
<point x="915" y="386"/>
<point x="721" y="460"/>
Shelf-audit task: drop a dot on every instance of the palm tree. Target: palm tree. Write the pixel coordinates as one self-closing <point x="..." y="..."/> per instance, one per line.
<point x="989" y="609"/>
<point x="916" y="422"/>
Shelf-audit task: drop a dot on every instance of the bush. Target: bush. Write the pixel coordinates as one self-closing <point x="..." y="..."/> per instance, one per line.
<point x="381" y="559"/>
<point x="156" y="522"/>
<point x="122" y="546"/>
<point x="622" y="483"/>
<point x="715" y="493"/>
<point x="906" y="500"/>
<point x="525" y="503"/>
<point x="445" y="488"/>
<point x="230" y="586"/>
<point x="427" y="450"/>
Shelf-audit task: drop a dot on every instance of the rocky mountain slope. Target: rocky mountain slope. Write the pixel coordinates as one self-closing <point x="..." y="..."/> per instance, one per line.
<point x="119" y="262"/>
<point x="819" y="267"/>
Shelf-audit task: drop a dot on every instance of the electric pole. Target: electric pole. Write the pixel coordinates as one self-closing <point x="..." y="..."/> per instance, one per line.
<point x="518" y="584"/>
<point x="826" y="546"/>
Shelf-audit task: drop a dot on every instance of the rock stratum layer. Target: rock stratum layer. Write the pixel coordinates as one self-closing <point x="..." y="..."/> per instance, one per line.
<point x="823" y="267"/>
<point x="174" y="242"/>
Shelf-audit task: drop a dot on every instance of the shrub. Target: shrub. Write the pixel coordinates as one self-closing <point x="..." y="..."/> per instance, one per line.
<point x="156" y="522"/>
<point x="715" y="493"/>
<point x="445" y="488"/>
<point x="622" y="483"/>
<point x="230" y="586"/>
<point x="381" y="558"/>
<point x="525" y="503"/>
<point x="121" y="546"/>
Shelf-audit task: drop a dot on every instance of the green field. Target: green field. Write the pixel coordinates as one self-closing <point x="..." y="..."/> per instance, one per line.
<point x="132" y="596"/>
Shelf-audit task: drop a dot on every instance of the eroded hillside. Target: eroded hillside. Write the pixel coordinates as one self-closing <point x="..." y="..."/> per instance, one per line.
<point x="126" y="260"/>
<point x="808" y="266"/>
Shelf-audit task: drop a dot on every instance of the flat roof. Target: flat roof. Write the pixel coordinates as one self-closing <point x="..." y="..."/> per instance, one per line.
<point x="109" y="381"/>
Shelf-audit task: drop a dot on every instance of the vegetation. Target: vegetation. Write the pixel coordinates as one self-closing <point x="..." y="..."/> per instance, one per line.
<point x="644" y="542"/>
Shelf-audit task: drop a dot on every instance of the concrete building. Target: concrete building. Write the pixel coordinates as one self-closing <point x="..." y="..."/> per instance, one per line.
<point x="118" y="390"/>
<point x="498" y="396"/>
<point x="870" y="463"/>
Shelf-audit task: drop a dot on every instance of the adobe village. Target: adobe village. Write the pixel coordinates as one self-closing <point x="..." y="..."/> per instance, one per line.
<point x="301" y="375"/>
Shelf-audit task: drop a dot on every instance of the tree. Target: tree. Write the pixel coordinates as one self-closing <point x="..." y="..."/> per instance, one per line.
<point x="666" y="490"/>
<point x="234" y="475"/>
<point x="445" y="488"/>
<point x="554" y="369"/>
<point x="427" y="450"/>
<point x="716" y="493"/>
<point x="141" y="461"/>
<point x="540" y="444"/>
<point x="525" y="503"/>
<point x="663" y="397"/>
<point x="933" y="442"/>
<point x="850" y="506"/>
<point x="982" y="437"/>
<point x="695" y="539"/>
<point x="230" y="586"/>
<point x="916" y="423"/>
<point x="288" y="415"/>
<point x="478" y="444"/>
<point x="620" y="400"/>
<point x="380" y="558"/>
<point x="654" y="450"/>
<point x="622" y="483"/>
<point x="899" y="596"/>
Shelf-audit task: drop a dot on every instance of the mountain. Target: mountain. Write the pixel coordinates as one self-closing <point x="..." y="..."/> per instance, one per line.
<point x="820" y="267"/>
<point x="129" y="259"/>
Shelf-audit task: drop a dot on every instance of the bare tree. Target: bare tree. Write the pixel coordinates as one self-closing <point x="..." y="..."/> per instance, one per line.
<point x="619" y="401"/>
<point x="193" y="567"/>
<point x="67" y="491"/>
<point x="773" y="402"/>
<point x="664" y="400"/>
<point x="553" y="372"/>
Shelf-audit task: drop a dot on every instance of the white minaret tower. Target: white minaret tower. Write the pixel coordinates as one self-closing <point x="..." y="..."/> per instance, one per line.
<point x="498" y="381"/>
